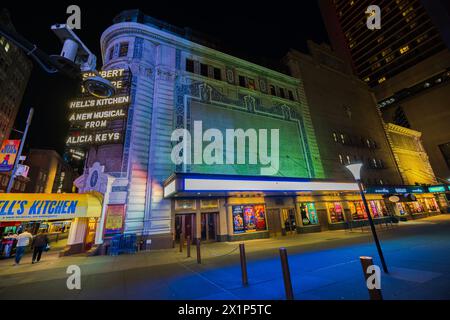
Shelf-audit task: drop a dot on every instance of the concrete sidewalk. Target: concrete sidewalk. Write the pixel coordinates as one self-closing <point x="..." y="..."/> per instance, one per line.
<point x="323" y="266"/>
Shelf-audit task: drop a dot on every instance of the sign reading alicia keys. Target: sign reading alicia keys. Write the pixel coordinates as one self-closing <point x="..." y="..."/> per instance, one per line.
<point x="95" y="121"/>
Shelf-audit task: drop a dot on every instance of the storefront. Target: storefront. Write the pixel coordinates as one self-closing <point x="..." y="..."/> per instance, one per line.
<point x="234" y="208"/>
<point x="253" y="207"/>
<point x="77" y="214"/>
<point x="410" y="202"/>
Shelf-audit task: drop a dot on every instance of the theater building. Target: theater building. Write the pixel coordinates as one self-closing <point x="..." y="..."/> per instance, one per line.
<point x="175" y="169"/>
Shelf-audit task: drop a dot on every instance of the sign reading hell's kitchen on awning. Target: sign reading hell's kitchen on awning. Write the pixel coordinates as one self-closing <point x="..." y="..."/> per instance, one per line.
<point x="96" y="121"/>
<point x="49" y="206"/>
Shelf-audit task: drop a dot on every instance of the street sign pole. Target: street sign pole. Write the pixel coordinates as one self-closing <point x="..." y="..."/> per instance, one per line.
<point x="19" y="153"/>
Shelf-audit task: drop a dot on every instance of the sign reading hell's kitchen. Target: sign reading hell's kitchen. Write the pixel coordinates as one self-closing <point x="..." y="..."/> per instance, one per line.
<point x="95" y="121"/>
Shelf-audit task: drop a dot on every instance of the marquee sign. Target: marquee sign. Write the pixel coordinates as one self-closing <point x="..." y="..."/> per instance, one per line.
<point x="96" y="121"/>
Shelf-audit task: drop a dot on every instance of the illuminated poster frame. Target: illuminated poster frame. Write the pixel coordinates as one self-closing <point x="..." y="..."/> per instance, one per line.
<point x="249" y="218"/>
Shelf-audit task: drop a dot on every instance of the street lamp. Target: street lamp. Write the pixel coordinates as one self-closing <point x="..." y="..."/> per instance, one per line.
<point x="355" y="169"/>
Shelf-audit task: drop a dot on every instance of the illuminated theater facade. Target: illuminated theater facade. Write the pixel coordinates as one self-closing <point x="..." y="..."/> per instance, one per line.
<point x="175" y="83"/>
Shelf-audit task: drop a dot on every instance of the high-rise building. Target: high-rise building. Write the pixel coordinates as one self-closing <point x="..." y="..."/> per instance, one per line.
<point x="15" y="69"/>
<point x="407" y="36"/>
<point x="406" y="62"/>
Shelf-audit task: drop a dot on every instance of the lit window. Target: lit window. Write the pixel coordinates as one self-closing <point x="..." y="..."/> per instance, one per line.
<point x="404" y="49"/>
<point x="367" y="79"/>
<point x="348" y="159"/>
<point x="381" y="79"/>
<point x="375" y="164"/>
<point x="335" y="137"/>
<point x="340" y="159"/>
<point x="342" y="138"/>
<point x="7" y="47"/>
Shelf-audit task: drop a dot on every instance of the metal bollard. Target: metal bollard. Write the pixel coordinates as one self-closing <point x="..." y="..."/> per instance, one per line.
<point x="243" y="264"/>
<point x="188" y="246"/>
<point x="181" y="242"/>
<point x="286" y="274"/>
<point x="199" y="257"/>
<point x="366" y="262"/>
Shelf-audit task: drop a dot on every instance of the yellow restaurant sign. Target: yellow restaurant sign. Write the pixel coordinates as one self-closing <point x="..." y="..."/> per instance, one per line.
<point x="49" y="206"/>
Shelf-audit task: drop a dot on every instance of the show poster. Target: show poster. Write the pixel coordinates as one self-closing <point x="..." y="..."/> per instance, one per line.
<point x="312" y="214"/>
<point x="238" y="219"/>
<point x="114" y="219"/>
<point x="249" y="218"/>
<point x="260" y="218"/>
<point x="8" y="154"/>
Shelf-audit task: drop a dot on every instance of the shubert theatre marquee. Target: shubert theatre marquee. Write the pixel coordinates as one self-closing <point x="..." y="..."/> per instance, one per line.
<point x="173" y="83"/>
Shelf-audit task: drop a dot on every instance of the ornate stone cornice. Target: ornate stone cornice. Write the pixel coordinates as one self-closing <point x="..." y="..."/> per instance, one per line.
<point x="158" y="36"/>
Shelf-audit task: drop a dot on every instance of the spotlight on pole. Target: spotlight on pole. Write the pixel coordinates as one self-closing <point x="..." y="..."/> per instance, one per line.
<point x="355" y="169"/>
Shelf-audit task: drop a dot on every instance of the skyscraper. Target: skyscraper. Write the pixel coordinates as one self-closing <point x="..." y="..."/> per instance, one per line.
<point x="408" y="35"/>
<point x="406" y="62"/>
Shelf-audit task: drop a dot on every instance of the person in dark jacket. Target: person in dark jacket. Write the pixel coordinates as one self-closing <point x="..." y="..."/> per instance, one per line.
<point x="40" y="242"/>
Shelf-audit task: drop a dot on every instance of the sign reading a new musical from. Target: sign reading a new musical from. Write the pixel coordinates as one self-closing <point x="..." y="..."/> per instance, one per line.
<point x="49" y="206"/>
<point x="96" y="121"/>
<point x="8" y="154"/>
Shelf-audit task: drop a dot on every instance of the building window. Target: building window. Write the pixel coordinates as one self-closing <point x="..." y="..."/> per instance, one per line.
<point x="272" y="90"/>
<point x="111" y="53"/>
<point x="204" y="69"/>
<point x="404" y="49"/>
<point x="217" y="74"/>
<point x="291" y="95"/>
<point x="374" y="163"/>
<point x="335" y="137"/>
<point x="251" y="84"/>
<point x="282" y="95"/>
<point x="341" y="160"/>
<point x="342" y="138"/>
<point x="190" y="65"/>
<point x="123" y="49"/>
<point x="242" y="81"/>
<point x="348" y="159"/>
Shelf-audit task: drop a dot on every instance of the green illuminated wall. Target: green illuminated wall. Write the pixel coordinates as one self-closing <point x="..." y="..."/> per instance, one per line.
<point x="292" y="161"/>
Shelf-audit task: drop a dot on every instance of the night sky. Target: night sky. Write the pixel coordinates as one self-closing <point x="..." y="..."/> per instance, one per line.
<point x="265" y="29"/>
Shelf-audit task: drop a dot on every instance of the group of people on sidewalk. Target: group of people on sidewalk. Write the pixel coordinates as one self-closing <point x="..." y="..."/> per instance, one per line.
<point x="39" y="243"/>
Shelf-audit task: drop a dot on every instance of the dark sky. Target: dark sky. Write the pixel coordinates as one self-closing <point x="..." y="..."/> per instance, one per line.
<point x="261" y="28"/>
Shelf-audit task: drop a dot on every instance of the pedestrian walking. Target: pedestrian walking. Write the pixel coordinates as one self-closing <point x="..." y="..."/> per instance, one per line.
<point x="40" y="243"/>
<point x="23" y="241"/>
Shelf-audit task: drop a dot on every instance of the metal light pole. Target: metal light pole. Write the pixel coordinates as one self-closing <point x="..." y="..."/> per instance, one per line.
<point x="355" y="169"/>
<point x="19" y="153"/>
